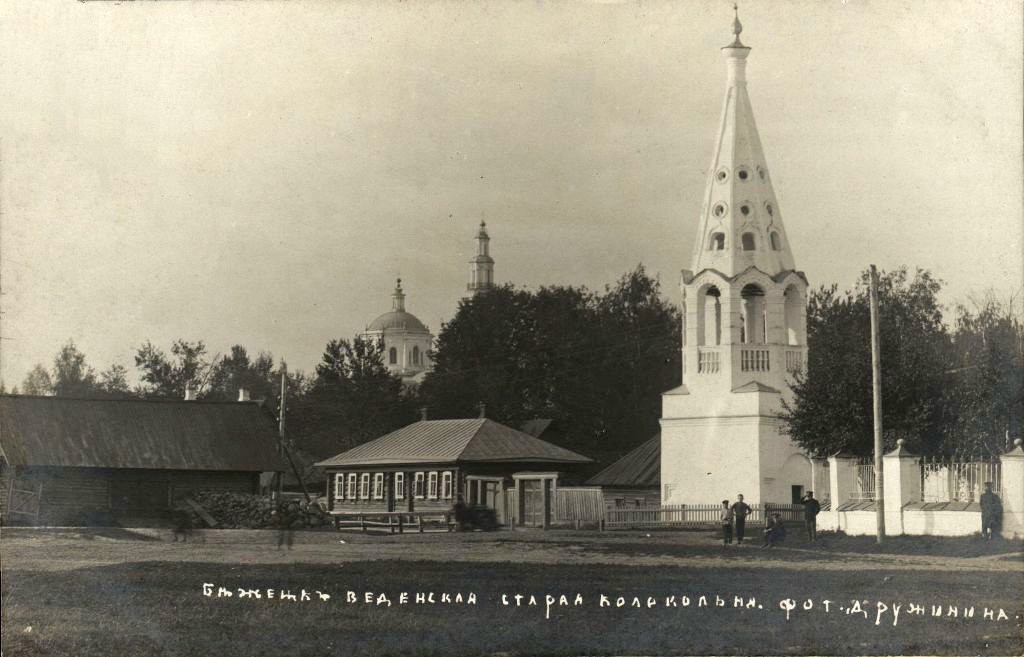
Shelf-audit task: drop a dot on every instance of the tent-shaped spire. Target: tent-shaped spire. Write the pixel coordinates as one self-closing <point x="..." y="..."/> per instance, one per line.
<point x="740" y="225"/>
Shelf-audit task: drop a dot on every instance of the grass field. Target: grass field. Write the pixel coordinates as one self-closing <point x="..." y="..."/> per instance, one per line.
<point x="126" y="593"/>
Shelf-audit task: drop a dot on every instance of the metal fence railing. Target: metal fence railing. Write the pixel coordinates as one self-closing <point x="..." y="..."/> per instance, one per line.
<point x="865" y="489"/>
<point x="949" y="481"/>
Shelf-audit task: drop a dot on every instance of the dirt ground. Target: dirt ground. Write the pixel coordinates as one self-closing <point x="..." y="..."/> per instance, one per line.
<point x="63" y="549"/>
<point x="114" y="592"/>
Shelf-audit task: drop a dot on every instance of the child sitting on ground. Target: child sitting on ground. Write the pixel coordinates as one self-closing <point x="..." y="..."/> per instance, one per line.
<point x="774" y="531"/>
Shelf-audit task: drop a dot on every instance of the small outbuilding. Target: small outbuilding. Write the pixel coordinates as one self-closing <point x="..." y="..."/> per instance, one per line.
<point x="634" y="479"/>
<point x="74" y="461"/>
<point x="425" y="466"/>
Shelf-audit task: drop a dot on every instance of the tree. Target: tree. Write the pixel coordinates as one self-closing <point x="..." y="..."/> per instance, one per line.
<point x="832" y="406"/>
<point x="166" y="378"/>
<point x="987" y="378"/>
<point x="353" y="399"/>
<point x="71" y="376"/>
<point x="237" y="370"/>
<point x="37" y="382"/>
<point x="113" y="382"/>
<point x="595" y="363"/>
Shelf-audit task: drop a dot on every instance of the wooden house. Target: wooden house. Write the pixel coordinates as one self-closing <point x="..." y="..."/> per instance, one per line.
<point x="426" y="465"/>
<point x="634" y="479"/>
<point x="72" y="461"/>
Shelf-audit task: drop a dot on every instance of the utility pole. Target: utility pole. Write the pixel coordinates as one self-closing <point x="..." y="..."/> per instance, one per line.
<point x="280" y="430"/>
<point x="876" y="394"/>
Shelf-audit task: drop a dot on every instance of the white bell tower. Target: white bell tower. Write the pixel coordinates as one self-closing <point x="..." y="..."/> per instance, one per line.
<point x="744" y="329"/>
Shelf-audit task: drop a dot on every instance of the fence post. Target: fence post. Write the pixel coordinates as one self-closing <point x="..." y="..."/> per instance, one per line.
<point x="901" y="471"/>
<point x="401" y="524"/>
<point x="842" y="478"/>
<point x="1012" y="477"/>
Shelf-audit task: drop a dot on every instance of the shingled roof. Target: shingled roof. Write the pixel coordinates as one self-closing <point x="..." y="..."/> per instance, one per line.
<point x="639" y="468"/>
<point x="453" y="441"/>
<point x="131" y="433"/>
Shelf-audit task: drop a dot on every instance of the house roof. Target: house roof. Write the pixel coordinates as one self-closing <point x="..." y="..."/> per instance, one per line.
<point x="451" y="441"/>
<point x="536" y="426"/>
<point x="639" y="468"/>
<point x="132" y="433"/>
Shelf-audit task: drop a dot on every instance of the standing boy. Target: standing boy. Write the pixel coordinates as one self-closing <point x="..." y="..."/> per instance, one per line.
<point x="740" y="511"/>
<point x="726" y="519"/>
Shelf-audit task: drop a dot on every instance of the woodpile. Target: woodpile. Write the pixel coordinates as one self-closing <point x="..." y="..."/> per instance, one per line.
<point x="242" y="511"/>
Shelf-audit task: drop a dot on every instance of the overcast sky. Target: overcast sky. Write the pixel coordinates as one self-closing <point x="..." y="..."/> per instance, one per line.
<point x="259" y="172"/>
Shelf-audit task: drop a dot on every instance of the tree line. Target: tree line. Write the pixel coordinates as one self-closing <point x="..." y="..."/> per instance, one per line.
<point x="596" y="363"/>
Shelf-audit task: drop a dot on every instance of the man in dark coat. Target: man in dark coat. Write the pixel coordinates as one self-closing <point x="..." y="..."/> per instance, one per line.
<point x="991" y="512"/>
<point x="811" y="510"/>
<point x="461" y="513"/>
<point x="740" y="511"/>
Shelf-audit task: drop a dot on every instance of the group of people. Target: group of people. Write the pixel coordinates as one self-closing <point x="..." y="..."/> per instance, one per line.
<point x="734" y="521"/>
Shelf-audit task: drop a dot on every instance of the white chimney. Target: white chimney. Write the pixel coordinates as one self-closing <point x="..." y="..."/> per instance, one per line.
<point x="190" y="394"/>
<point x="243" y="395"/>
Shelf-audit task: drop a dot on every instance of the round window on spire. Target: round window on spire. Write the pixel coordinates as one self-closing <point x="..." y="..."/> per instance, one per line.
<point x="770" y="209"/>
<point x="722" y="175"/>
<point x="761" y="173"/>
<point x="745" y="210"/>
<point x="742" y="174"/>
<point x="719" y="210"/>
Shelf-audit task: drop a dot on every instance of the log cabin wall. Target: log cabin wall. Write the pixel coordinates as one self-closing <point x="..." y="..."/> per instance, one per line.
<point x="366" y="498"/>
<point x="74" y="495"/>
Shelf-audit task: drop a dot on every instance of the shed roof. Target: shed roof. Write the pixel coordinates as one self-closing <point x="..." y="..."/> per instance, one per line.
<point x="638" y="468"/>
<point x="451" y="441"/>
<point x="133" y="433"/>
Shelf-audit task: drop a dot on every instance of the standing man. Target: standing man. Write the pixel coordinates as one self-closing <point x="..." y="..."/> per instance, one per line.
<point x="740" y="511"/>
<point x="811" y="510"/>
<point x="991" y="512"/>
<point x="726" y="519"/>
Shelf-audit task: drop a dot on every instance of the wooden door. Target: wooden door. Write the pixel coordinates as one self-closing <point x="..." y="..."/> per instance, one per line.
<point x="533" y="503"/>
<point x="494" y="497"/>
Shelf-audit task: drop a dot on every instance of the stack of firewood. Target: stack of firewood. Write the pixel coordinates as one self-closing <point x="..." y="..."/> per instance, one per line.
<point x="240" y="510"/>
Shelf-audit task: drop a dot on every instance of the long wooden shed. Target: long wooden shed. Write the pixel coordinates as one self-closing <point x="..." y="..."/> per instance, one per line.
<point x="74" y="461"/>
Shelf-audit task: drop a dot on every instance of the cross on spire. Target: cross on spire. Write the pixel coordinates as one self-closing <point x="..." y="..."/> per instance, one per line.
<point x="737" y="26"/>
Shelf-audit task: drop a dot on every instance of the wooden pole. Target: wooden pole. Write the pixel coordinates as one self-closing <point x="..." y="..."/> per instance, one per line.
<point x="876" y="394"/>
<point x="280" y="432"/>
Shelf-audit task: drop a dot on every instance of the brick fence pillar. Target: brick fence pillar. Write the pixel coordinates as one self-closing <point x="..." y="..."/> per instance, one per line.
<point x="901" y="471"/>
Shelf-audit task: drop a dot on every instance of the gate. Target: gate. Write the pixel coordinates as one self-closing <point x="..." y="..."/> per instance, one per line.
<point x="23" y="500"/>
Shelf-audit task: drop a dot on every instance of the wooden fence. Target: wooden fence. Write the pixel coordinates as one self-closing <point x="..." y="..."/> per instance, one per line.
<point x="395" y="521"/>
<point x="578" y="505"/>
<point x="692" y="516"/>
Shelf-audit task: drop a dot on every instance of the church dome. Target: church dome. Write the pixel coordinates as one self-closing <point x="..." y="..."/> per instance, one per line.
<point x="400" y="320"/>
